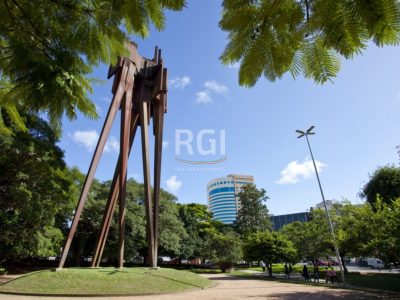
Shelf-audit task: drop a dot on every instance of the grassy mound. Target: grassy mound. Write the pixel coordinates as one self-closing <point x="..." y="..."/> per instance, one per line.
<point x="105" y="281"/>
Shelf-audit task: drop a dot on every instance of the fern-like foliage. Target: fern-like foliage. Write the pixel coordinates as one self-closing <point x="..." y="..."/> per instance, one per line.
<point x="272" y="37"/>
<point x="48" y="48"/>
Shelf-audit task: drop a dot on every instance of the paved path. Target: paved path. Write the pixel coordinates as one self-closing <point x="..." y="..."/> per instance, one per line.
<point x="365" y="270"/>
<point x="229" y="287"/>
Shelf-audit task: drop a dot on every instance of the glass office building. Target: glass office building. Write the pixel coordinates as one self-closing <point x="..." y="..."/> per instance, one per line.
<point x="223" y="201"/>
<point x="279" y="221"/>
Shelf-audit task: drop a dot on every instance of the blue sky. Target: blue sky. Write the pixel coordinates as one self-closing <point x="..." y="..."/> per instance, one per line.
<point x="356" y="118"/>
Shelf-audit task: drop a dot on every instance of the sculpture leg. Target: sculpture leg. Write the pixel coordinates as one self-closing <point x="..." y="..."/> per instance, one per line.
<point x="108" y="212"/>
<point x="143" y="113"/>
<point x="115" y="104"/>
<point x="158" y="132"/>
<point x="113" y="196"/>
<point x="124" y="145"/>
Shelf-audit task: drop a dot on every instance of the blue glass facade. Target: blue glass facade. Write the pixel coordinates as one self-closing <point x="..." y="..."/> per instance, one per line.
<point x="279" y="221"/>
<point x="222" y="196"/>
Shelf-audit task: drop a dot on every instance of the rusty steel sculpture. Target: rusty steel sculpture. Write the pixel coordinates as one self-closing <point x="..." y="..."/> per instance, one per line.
<point x="140" y="91"/>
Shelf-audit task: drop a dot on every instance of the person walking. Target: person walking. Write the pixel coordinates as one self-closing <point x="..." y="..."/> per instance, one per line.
<point x="262" y="265"/>
<point x="333" y="275"/>
<point x="305" y="273"/>
<point x="327" y="275"/>
<point x="287" y="273"/>
<point x="316" y="273"/>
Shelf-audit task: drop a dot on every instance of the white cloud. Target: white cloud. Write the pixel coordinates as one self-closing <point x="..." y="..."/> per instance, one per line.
<point x="295" y="171"/>
<point x="173" y="185"/>
<point x="203" y="97"/>
<point x="179" y="82"/>
<point x="211" y="87"/>
<point x="88" y="139"/>
<point x="165" y="144"/>
<point x="112" y="145"/>
<point x="215" y="87"/>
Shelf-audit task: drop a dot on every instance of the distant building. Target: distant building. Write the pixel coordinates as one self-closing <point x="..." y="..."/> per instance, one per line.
<point x="279" y="221"/>
<point x="223" y="201"/>
<point x="329" y="204"/>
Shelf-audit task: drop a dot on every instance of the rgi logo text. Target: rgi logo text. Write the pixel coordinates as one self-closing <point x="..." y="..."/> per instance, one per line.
<point x="207" y="146"/>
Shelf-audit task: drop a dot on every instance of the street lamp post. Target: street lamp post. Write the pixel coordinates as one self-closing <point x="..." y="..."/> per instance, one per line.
<point x="306" y="134"/>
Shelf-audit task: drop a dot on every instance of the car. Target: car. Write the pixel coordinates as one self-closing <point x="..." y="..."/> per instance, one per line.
<point x="375" y="263"/>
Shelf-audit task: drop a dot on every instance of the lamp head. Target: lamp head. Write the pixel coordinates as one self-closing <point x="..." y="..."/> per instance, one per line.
<point x="302" y="133"/>
<point x="310" y="129"/>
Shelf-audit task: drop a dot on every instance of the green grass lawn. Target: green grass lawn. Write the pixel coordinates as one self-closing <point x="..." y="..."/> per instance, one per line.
<point x="384" y="282"/>
<point x="388" y="282"/>
<point x="206" y="271"/>
<point x="105" y="281"/>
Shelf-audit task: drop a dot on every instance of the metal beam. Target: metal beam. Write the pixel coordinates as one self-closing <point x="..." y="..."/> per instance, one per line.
<point x="113" y="196"/>
<point x="115" y="104"/>
<point x="143" y="114"/>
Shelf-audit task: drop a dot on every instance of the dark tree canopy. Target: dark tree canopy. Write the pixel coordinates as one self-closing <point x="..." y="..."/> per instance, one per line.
<point x="195" y="217"/>
<point x="225" y="249"/>
<point x="36" y="190"/>
<point x="47" y="49"/>
<point x="385" y="182"/>
<point x="270" y="247"/>
<point x="172" y="232"/>
<point x="270" y="38"/>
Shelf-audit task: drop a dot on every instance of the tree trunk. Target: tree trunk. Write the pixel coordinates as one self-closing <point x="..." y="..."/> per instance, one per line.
<point x="226" y="267"/>
<point x="269" y="266"/>
<point x="76" y="249"/>
<point x="343" y="263"/>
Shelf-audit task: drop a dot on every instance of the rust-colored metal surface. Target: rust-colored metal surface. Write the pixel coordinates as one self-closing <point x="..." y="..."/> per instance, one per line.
<point x="140" y="91"/>
<point x="112" y="199"/>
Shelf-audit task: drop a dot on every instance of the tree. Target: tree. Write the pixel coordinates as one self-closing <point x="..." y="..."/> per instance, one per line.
<point x="84" y="241"/>
<point x="350" y="241"/>
<point x="311" y="239"/>
<point x="225" y="250"/>
<point x="270" y="247"/>
<point x="48" y="48"/>
<point x="271" y="38"/>
<point x="195" y="217"/>
<point x="385" y="182"/>
<point x="381" y="222"/>
<point x="171" y="232"/>
<point x="253" y="213"/>
<point x="36" y="190"/>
